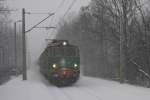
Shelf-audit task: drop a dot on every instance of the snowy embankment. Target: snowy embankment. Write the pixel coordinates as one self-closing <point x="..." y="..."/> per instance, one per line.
<point x="37" y="88"/>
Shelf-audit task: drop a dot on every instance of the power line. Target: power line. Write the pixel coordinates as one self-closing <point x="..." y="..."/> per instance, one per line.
<point x="57" y="9"/>
<point x="70" y="7"/>
<point x="37" y="13"/>
<point x="61" y="4"/>
<point x="40" y="22"/>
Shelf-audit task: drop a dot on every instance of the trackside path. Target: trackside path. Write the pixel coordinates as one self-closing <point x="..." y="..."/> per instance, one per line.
<point x="38" y="88"/>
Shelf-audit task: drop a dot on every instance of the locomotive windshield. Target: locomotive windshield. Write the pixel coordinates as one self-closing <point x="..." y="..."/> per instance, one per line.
<point x="64" y="51"/>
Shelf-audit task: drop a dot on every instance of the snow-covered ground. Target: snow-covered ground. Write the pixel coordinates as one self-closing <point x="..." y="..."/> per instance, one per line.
<point x="38" y="88"/>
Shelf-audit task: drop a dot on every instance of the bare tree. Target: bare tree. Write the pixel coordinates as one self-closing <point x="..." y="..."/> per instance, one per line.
<point x="114" y="30"/>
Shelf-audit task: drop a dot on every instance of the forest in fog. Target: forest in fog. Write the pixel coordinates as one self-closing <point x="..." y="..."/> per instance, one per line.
<point x="7" y="44"/>
<point x="114" y="39"/>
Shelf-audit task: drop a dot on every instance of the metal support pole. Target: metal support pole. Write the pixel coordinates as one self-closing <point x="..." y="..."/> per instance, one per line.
<point x="24" y="45"/>
<point x="15" y="38"/>
<point x="24" y="70"/>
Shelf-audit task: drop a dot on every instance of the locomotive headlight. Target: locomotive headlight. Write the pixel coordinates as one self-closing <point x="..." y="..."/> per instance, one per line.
<point x="54" y="65"/>
<point x="75" y="65"/>
<point x="64" y="43"/>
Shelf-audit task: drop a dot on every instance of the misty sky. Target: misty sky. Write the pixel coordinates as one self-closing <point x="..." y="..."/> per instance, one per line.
<point x="36" y="38"/>
<point x="44" y="4"/>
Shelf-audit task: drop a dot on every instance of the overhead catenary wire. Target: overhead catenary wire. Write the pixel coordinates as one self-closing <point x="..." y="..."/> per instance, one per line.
<point x="70" y="7"/>
<point x="37" y="13"/>
<point x="67" y="11"/>
<point x="60" y="5"/>
<point x="39" y="22"/>
<point x="57" y="10"/>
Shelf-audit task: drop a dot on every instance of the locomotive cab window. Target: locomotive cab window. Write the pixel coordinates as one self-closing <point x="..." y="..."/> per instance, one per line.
<point x="58" y="52"/>
<point x="69" y="51"/>
<point x="64" y="51"/>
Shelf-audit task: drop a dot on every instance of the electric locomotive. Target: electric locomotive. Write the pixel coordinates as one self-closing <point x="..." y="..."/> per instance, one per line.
<point x="60" y="63"/>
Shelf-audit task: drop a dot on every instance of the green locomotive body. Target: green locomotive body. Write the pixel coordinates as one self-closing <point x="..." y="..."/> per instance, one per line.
<point x="60" y="63"/>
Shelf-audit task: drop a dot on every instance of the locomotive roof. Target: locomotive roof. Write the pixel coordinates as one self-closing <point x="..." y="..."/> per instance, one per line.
<point x="59" y="43"/>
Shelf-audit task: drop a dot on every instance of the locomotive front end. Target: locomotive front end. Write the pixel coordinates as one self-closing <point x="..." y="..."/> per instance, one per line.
<point x="64" y="76"/>
<point x="64" y="64"/>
